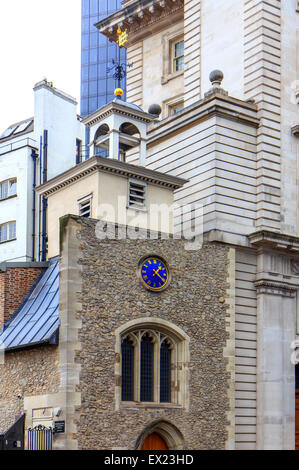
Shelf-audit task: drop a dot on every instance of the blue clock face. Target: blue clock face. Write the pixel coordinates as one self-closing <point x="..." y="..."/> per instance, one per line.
<point x="154" y="273"/>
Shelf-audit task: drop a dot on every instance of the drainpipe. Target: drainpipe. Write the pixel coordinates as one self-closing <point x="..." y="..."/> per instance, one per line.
<point x="40" y="199"/>
<point x="86" y="147"/>
<point x="34" y="156"/>
<point x="44" y="200"/>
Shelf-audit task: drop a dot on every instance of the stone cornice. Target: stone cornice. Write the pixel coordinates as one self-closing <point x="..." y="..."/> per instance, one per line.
<point x="275" y="240"/>
<point x="118" y="107"/>
<point x="109" y="165"/>
<point x="215" y="104"/>
<point x="142" y="17"/>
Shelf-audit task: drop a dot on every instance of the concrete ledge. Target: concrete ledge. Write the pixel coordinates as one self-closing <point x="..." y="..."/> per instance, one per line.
<point x="26" y="264"/>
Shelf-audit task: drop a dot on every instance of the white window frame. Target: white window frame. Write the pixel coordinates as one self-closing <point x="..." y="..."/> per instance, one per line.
<point x="11" y="183"/>
<point x="168" y="106"/>
<point x="84" y="200"/>
<point x="175" y="58"/>
<point x="168" y="42"/>
<point x="10" y="231"/>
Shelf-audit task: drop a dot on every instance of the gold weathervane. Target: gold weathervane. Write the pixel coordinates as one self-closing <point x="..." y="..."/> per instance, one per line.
<point x="122" y="37"/>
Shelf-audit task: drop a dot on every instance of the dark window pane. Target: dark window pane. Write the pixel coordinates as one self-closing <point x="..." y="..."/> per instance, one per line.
<point x="85" y="25"/>
<point x="84" y="73"/>
<point x="84" y="57"/>
<point x="94" y="7"/>
<point x="127" y="370"/>
<point x="84" y="89"/>
<point x="85" y="7"/>
<point x="93" y="87"/>
<point x="92" y="105"/>
<point x="84" y="106"/>
<point x="146" y="369"/>
<point x="94" y="39"/>
<point x="112" y="52"/>
<point x="102" y="86"/>
<point x="85" y="41"/>
<point x="165" y="373"/>
<point x="102" y="100"/>
<point x="93" y="56"/>
<point x="93" y="71"/>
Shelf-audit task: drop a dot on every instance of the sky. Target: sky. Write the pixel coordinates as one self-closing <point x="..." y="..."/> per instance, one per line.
<point x="38" y="39"/>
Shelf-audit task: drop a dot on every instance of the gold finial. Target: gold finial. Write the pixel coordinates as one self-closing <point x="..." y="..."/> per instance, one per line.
<point x="118" y="92"/>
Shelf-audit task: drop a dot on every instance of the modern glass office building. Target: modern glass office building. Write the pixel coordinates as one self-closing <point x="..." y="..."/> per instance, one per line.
<point x="97" y="84"/>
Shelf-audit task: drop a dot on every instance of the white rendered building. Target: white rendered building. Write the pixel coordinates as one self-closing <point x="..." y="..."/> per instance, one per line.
<point x="31" y="152"/>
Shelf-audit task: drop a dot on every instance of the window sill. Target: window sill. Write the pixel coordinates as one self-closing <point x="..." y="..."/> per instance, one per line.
<point x="9" y="197"/>
<point x="135" y="208"/>
<point x="166" y="78"/>
<point x="134" y="404"/>
<point x="7" y="241"/>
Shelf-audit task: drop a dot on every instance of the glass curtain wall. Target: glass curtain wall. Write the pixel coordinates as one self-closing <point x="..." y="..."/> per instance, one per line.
<point x="97" y="84"/>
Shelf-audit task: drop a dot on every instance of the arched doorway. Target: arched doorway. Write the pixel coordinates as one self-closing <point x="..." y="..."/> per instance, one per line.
<point x="154" y="442"/>
<point x="160" y="435"/>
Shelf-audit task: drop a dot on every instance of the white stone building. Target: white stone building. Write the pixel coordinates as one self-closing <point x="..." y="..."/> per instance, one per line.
<point x="239" y="150"/>
<point x="56" y="135"/>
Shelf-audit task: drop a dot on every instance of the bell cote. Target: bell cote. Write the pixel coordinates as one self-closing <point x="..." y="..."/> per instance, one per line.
<point x="118" y="127"/>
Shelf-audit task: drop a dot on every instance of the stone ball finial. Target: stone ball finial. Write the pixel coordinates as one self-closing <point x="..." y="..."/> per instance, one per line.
<point x="216" y="77"/>
<point x="155" y="109"/>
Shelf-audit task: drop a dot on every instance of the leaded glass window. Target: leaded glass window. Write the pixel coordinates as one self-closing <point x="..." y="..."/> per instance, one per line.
<point x="127" y="371"/>
<point x="165" y="372"/>
<point x="146" y="368"/>
<point x="148" y="359"/>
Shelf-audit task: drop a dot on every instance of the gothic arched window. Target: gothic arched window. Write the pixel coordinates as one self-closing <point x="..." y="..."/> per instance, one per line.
<point x="151" y="366"/>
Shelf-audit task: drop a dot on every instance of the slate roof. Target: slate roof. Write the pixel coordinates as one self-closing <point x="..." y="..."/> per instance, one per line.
<point x="36" y="321"/>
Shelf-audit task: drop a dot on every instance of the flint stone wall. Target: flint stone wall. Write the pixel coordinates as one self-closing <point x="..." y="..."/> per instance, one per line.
<point x="111" y="296"/>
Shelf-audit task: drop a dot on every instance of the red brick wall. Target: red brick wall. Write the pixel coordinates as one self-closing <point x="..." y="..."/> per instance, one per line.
<point x="14" y="285"/>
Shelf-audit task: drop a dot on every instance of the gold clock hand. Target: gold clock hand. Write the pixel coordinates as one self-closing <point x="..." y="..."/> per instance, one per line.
<point x="157" y="273"/>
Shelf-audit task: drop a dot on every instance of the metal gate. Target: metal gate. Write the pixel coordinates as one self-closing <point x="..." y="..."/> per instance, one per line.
<point x="13" y="438"/>
<point x="39" y="438"/>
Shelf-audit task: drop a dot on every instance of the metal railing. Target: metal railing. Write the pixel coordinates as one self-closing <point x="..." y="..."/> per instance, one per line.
<point x="10" y="147"/>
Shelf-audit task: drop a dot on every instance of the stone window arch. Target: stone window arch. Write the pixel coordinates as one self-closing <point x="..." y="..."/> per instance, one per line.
<point x="152" y="364"/>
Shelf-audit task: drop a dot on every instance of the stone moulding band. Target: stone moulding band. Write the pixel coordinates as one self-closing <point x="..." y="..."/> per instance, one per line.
<point x="272" y="288"/>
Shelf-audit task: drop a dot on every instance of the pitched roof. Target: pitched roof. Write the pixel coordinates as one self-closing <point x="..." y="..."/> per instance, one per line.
<point x="18" y="129"/>
<point x="36" y="321"/>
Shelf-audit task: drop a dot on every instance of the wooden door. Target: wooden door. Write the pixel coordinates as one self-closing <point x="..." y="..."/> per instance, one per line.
<point x="297" y="419"/>
<point x="154" y="442"/>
